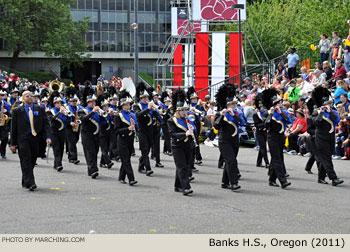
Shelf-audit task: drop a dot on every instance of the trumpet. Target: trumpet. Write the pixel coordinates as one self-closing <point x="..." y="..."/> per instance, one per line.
<point x="154" y="106"/>
<point x="68" y="113"/>
<point x="103" y="113"/>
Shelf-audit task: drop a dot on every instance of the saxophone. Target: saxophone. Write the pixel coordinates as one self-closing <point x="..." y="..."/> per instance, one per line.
<point x="14" y="106"/>
<point x="76" y="121"/>
<point x="3" y="116"/>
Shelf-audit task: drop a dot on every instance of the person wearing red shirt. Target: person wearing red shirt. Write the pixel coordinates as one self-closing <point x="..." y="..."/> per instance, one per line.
<point x="340" y="73"/>
<point x="299" y="127"/>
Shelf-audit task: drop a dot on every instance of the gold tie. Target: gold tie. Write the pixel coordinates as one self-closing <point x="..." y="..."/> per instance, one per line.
<point x="31" y="120"/>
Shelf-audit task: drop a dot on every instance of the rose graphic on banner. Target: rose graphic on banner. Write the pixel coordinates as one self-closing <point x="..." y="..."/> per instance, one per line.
<point x="218" y="10"/>
<point x="182" y="21"/>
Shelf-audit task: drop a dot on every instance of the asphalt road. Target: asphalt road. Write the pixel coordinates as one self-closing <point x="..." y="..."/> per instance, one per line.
<point x="71" y="202"/>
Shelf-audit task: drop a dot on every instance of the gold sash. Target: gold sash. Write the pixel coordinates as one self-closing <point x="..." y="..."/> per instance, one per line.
<point x="233" y="125"/>
<point x="59" y="120"/>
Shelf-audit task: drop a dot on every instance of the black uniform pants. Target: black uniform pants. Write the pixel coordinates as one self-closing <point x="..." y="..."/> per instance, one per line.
<point x="90" y="146"/>
<point x="182" y="157"/>
<point x="113" y="146"/>
<point x="324" y="149"/>
<point x="262" y="139"/>
<point x="28" y="153"/>
<point x="145" y="140"/>
<point x="125" y="146"/>
<point x="72" y="139"/>
<point x="105" y="144"/>
<point x="58" y="141"/>
<point x="277" y="169"/>
<point x="4" y="140"/>
<point x="156" y="143"/>
<point x="167" y="146"/>
<point x="229" y="151"/>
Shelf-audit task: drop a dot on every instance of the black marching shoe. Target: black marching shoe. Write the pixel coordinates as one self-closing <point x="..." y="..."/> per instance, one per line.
<point x="195" y="169"/>
<point x="260" y="165"/>
<point x="336" y="182"/>
<point x="287" y="175"/>
<point x="109" y="166"/>
<point x="272" y="183"/>
<point x="190" y="179"/>
<point x="177" y="189"/>
<point x="122" y="181"/>
<point x="149" y="173"/>
<point x="322" y="181"/>
<point x="239" y="175"/>
<point x="143" y="171"/>
<point x="285" y="184"/>
<point x="187" y="192"/>
<point x="198" y="162"/>
<point x="133" y="154"/>
<point x="103" y="166"/>
<point x="76" y="161"/>
<point x="170" y="153"/>
<point x="267" y="166"/>
<point x="59" y="168"/>
<point x="309" y="172"/>
<point x="131" y="183"/>
<point x="32" y="187"/>
<point x="235" y="187"/>
<point x="94" y="175"/>
<point x="159" y="165"/>
<point x="3" y="157"/>
<point x="225" y="186"/>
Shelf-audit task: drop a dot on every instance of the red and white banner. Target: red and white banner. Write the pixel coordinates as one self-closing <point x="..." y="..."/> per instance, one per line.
<point x="218" y="61"/>
<point x="180" y="22"/>
<point x="202" y="63"/>
<point x="178" y="65"/>
<point x="217" y="10"/>
<point x="234" y="57"/>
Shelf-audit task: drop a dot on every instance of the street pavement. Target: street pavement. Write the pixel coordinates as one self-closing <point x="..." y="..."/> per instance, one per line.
<point x="71" y="202"/>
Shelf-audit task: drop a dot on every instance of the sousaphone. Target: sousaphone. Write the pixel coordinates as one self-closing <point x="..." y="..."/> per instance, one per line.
<point x="129" y="86"/>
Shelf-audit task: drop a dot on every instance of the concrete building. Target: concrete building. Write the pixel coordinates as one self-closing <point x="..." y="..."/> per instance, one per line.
<point x="110" y="39"/>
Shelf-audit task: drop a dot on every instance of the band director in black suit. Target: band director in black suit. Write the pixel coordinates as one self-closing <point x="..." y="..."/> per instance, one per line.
<point x="28" y="121"/>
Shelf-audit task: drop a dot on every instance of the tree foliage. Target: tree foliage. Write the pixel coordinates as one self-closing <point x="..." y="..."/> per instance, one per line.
<point x="42" y="25"/>
<point x="280" y="24"/>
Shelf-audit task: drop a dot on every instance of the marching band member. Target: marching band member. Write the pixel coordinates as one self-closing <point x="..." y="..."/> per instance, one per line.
<point x="227" y="122"/>
<point x="276" y="122"/>
<point x="5" y="109"/>
<point x="310" y="142"/>
<point x="113" y="150"/>
<point x="124" y="124"/>
<point x="196" y="108"/>
<point x="182" y="136"/>
<point x="90" y="128"/>
<point x="260" y="131"/>
<point x="58" y="118"/>
<point x="14" y="98"/>
<point x="325" y="120"/>
<point x="155" y="152"/>
<point x="146" y="118"/>
<point x="166" y="115"/>
<point x="105" y="135"/>
<point x="73" y="129"/>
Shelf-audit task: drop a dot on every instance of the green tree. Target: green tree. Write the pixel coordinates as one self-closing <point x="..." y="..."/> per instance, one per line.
<point x="280" y="24"/>
<point x="42" y="25"/>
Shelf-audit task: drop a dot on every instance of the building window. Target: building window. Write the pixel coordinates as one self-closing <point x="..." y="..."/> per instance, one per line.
<point x="89" y="4"/>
